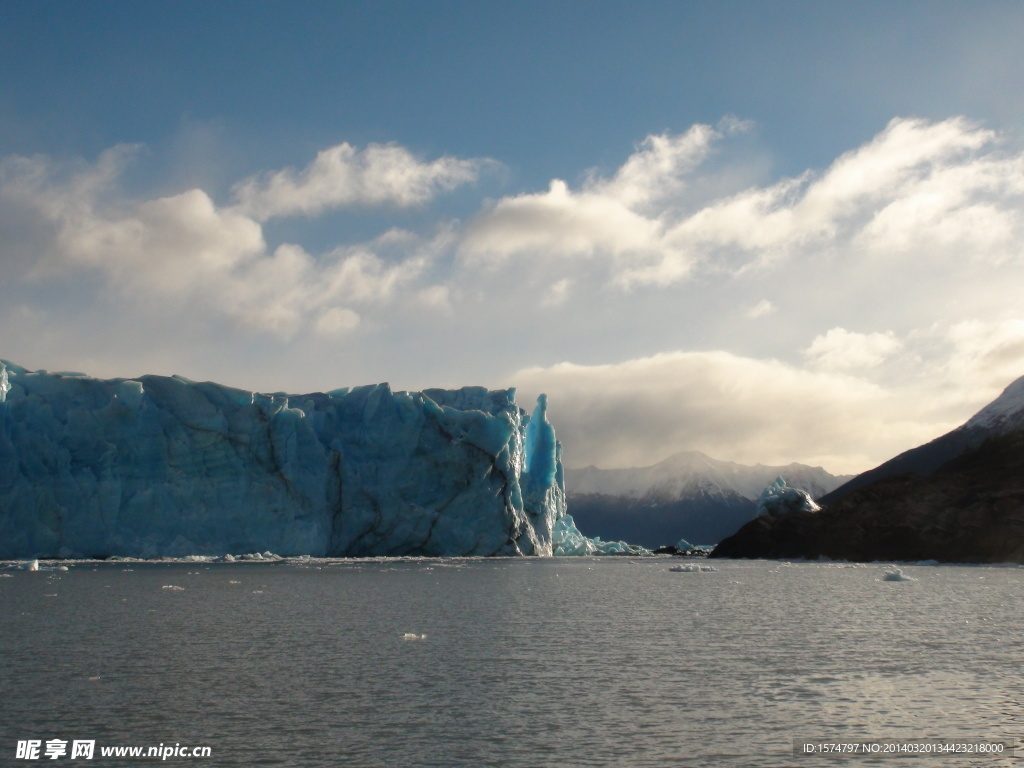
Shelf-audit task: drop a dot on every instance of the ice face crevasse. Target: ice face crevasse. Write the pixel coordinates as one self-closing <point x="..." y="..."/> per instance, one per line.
<point x="544" y="485"/>
<point x="166" y="466"/>
<point x="543" y="480"/>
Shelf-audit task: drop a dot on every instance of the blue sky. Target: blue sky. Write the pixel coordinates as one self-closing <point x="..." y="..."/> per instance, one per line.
<point x="769" y="231"/>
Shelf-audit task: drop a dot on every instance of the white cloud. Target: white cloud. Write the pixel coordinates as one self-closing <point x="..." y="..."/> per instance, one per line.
<point x="559" y="223"/>
<point x="337" y="321"/>
<point x="342" y="176"/>
<point x="843" y="350"/>
<point x="742" y="409"/>
<point x="358" y="275"/>
<point x="168" y="245"/>
<point x="184" y="253"/>
<point x="916" y="186"/>
<point x="763" y="308"/>
<point x="437" y="297"/>
<point x="990" y="353"/>
<point x="656" y="172"/>
<point x="557" y="293"/>
<point x="622" y="218"/>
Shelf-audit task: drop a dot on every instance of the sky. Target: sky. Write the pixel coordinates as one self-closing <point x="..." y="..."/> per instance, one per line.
<point x="771" y="232"/>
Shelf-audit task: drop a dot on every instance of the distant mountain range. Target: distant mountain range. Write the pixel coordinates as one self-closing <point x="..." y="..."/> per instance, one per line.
<point x="688" y="495"/>
<point x="959" y="498"/>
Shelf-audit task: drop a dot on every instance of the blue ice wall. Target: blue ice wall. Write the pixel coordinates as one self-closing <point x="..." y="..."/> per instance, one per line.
<point x="166" y="466"/>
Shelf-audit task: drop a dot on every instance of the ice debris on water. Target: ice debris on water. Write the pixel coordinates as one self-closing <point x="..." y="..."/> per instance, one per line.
<point x="896" y="574"/>
<point x="568" y="541"/>
<point x="693" y="568"/>
<point x="173" y="588"/>
<point x="779" y="499"/>
<point x="413" y="636"/>
<point x="33" y="565"/>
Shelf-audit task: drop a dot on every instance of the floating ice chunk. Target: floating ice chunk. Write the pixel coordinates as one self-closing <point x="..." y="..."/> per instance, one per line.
<point x="683" y="545"/>
<point x="413" y="636"/>
<point x="568" y="541"/>
<point x="29" y="565"/>
<point x="779" y="499"/>
<point x="693" y="568"/>
<point x="173" y="588"/>
<point x="896" y="574"/>
<point x="260" y="556"/>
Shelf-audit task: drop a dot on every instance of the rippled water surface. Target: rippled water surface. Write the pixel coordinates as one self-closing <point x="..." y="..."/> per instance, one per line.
<point x="525" y="662"/>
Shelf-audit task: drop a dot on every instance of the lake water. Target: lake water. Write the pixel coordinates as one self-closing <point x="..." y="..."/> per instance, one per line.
<point x="525" y="662"/>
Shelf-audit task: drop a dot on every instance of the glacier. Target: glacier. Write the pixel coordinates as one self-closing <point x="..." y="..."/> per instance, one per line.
<point x="164" y="466"/>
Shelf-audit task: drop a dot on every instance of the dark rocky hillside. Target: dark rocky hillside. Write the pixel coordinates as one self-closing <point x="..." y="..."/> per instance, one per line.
<point x="968" y="509"/>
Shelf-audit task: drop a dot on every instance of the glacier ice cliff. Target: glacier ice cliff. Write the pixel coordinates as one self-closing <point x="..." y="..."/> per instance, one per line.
<point x="163" y="466"/>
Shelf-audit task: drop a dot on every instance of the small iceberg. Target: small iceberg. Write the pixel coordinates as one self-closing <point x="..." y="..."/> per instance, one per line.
<point x="779" y="499"/>
<point x="413" y="636"/>
<point x="896" y="574"/>
<point x="173" y="588"/>
<point x="33" y="565"/>
<point x="693" y="568"/>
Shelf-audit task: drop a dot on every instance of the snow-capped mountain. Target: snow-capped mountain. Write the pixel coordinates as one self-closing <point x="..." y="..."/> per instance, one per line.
<point x="688" y="495"/>
<point x="1003" y="415"/>
<point x="676" y="476"/>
